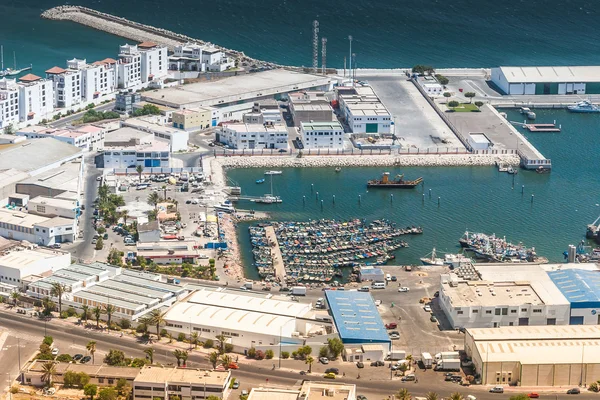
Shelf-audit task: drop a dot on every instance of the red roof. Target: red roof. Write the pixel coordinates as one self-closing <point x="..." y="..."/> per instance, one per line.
<point x="105" y="61"/>
<point x="147" y="45"/>
<point x="55" y="70"/>
<point x="29" y="78"/>
<point x="31" y="114"/>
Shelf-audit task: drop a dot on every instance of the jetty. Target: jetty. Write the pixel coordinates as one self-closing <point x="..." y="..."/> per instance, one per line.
<point x="275" y="254"/>
<point x="140" y="32"/>
<point x="538" y="127"/>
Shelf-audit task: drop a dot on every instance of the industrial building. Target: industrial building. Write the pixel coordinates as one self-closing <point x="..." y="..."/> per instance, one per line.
<point x="535" y="355"/>
<point x="547" y="80"/>
<point x="543" y="294"/>
<point x="310" y="390"/>
<point x="363" y="111"/>
<point x="35" y="156"/>
<point x="86" y="137"/>
<point x="310" y="106"/>
<point x="247" y="319"/>
<point x="101" y="375"/>
<point x="177" y="138"/>
<point x="194" y="119"/>
<point x="357" y="319"/>
<point x="128" y="147"/>
<point x="36" y="229"/>
<point x="169" y="251"/>
<point x="322" y="135"/>
<point x="254" y="136"/>
<point x="18" y="262"/>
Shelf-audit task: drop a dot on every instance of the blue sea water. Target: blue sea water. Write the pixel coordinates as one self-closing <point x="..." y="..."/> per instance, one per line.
<point x="386" y="34"/>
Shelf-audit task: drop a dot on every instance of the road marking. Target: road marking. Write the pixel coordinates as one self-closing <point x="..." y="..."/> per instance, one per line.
<point x="3" y="338"/>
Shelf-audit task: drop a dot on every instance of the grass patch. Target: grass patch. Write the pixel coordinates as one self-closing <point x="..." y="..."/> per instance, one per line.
<point x="466" y="107"/>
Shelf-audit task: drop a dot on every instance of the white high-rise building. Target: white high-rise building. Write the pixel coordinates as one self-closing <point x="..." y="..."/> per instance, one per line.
<point x="67" y="86"/>
<point x="36" y="97"/>
<point x="194" y="57"/>
<point x="154" y="61"/>
<point x="139" y="64"/>
<point x="9" y="102"/>
<point x="129" y="68"/>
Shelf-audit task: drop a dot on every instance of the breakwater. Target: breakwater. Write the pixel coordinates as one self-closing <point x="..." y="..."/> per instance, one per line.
<point x="139" y="32"/>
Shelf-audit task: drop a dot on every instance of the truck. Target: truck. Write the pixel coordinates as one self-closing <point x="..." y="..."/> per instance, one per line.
<point x="298" y="291"/>
<point x="448" y="365"/>
<point x="427" y="360"/>
<point x="447" y="355"/>
<point x="396" y="355"/>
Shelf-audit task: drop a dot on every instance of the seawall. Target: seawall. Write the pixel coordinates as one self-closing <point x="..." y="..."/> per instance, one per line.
<point x="139" y="32"/>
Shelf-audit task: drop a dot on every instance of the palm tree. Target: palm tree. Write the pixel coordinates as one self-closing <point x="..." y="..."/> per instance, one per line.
<point x="15" y="297"/>
<point x="102" y="192"/>
<point x="109" y="310"/>
<point x="48" y="305"/>
<point x="153" y="199"/>
<point x="221" y="338"/>
<point x="179" y="356"/>
<point x="150" y="354"/>
<point x="139" y="169"/>
<point x="48" y="372"/>
<point x="184" y="357"/>
<point x="456" y="396"/>
<point x="157" y="318"/>
<point x="213" y="358"/>
<point x="403" y="394"/>
<point x="431" y="396"/>
<point x="194" y="339"/>
<point x="164" y="188"/>
<point x="124" y="215"/>
<point x="309" y="361"/>
<point x="226" y="360"/>
<point x="97" y="311"/>
<point x="58" y="290"/>
<point x="86" y="311"/>
<point x="91" y="348"/>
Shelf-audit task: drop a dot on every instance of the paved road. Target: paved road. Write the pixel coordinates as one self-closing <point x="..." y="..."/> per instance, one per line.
<point x="67" y="120"/>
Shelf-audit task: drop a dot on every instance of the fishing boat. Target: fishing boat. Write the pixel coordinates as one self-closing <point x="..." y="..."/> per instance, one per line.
<point x="259" y="181"/>
<point x="432" y="259"/>
<point x="399" y="182"/>
<point x="584" y="106"/>
<point x="502" y="168"/>
<point x="512" y="171"/>
<point x="338" y="169"/>
<point x="495" y="249"/>
<point x="10" y="71"/>
<point x="273" y="172"/>
<point x="542" y="170"/>
<point x="225" y="206"/>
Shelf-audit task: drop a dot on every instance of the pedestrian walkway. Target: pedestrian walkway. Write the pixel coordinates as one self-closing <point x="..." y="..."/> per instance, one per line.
<point x="275" y="254"/>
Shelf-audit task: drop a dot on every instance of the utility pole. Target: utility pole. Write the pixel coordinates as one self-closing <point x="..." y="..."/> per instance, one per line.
<point x="323" y="56"/>
<point x="315" y="60"/>
<point x="350" y="59"/>
<point x="280" y="347"/>
<point x="354" y="63"/>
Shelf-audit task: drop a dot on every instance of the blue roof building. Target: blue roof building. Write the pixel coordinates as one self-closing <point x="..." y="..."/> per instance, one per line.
<point x="356" y="318"/>
<point x="581" y="287"/>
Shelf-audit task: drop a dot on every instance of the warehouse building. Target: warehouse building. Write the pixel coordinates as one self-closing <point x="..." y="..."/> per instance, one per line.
<point x="357" y="319"/>
<point x="547" y="80"/>
<point x="247" y="319"/>
<point x="310" y="390"/>
<point x="19" y="262"/>
<point x="535" y="355"/>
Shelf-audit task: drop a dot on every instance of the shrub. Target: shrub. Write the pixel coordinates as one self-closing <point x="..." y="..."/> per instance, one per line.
<point x="479" y="103"/>
<point x="442" y="79"/>
<point x="14" y="389"/>
<point x="593" y="387"/>
<point x="64" y="358"/>
<point x="99" y="244"/>
<point x="323" y="352"/>
<point x="138" y="362"/>
<point x="163" y="332"/>
<point x="294" y="355"/>
<point x="252" y="352"/>
<point x="260" y="355"/>
<point x="64" y="315"/>
<point x="228" y="348"/>
<point x="269" y="354"/>
<point x="285" y="355"/>
<point x="101" y="230"/>
<point x="453" y="104"/>
<point x="125" y="323"/>
<point x="181" y="337"/>
<point x="141" y="328"/>
<point x="48" y="340"/>
<point x="208" y="344"/>
<point x="71" y="312"/>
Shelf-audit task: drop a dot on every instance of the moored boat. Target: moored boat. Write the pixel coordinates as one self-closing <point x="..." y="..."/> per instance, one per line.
<point x="273" y="172"/>
<point x="584" y="106"/>
<point x="399" y="182"/>
<point x="259" y="181"/>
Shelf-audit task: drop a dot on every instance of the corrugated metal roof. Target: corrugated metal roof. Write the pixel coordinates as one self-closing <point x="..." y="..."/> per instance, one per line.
<point x="577" y="74"/>
<point x="577" y="285"/>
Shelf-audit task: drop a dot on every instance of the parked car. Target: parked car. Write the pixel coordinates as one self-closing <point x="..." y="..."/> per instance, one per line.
<point x="403" y="289"/>
<point x="394" y="278"/>
<point x="361" y="397"/>
<point x="86" y="359"/>
<point x="573" y="391"/>
<point x="105" y="237"/>
<point x="394" y="335"/>
<point x="377" y="364"/>
<point x="360" y="364"/>
<point x="55" y="351"/>
<point x="533" y="395"/>
<point x="377" y="303"/>
<point x="332" y="371"/>
<point x="329" y="375"/>
<point x="408" y="378"/>
<point x="56" y="245"/>
<point x="497" y="389"/>
<point x="233" y="366"/>
<point x="323" y="360"/>
<point x="236" y="385"/>
<point x="391" y="325"/>
<point x="433" y="318"/>
<point x="364" y="289"/>
<point x="427" y="308"/>
<point x="77" y="357"/>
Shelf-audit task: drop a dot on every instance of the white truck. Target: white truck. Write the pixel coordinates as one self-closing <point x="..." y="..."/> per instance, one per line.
<point x="427" y="360"/>
<point x="447" y="355"/>
<point x="298" y="291"/>
<point x="396" y="355"/>
<point x="448" y="365"/>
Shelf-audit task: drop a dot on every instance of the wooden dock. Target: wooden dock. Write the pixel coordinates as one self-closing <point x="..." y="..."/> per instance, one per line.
<point x="542" y="127"/>
<point x="275" y="254"/>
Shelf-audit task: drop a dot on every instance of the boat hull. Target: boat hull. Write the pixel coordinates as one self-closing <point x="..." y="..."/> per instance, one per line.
<point x="392" y="185"/>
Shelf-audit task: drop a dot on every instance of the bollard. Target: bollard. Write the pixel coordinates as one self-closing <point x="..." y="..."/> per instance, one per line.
<point x="391" y="198"/>
<point x="531" y="199"/>
<point x="359" y="199"/>
<point x="522" y="189"/>
<point x="438" y="201"/>
<point x="429" y="193"/>
<point x="334" y="199"/>
<point x="321" y="205"/>
<point x="312" y="186"/>
<point x="423" y="198"/>
<point x="317" y="195"/>
<point x="303" y="200"/>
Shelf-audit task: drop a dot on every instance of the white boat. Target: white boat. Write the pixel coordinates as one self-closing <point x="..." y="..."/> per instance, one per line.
<point x="225" y="206"/>
<point x="456" y="260"/>
<point x="512" y="171"/>
<point x="10" y="71"/>
<point x="269" y="198"/>
<point x="432" y="259"/>
<point x="585" y="106"/>
<point x="527" y="111"/>
<point x="273" y="172"/>
<point x="502" y="168"/>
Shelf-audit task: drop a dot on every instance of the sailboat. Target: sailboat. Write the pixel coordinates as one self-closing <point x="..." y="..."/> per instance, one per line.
<point x="432" y="259"/>
<point x="10" y="71"/>
<point x="269" y="198"/>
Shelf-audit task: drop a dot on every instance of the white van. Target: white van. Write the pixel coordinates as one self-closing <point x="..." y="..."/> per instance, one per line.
<point x="388" y="277"/>
<point x="378" y="285"/>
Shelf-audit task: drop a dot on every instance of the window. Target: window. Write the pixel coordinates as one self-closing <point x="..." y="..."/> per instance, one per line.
<point x="523" y="310"/>
<point x="505" y="311"/>
<point x="513" y="311"/>
<point x="488" y="311"/>
<point x="537" y="310"/>
<point x="459" y="312"/>
<point x="100" y="380"/>
<point x="497" y="311"/>
<point x="475" y="311"/>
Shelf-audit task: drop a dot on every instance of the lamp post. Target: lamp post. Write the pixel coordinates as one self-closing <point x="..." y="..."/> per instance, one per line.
<point x="280" y="347"/>
<point x="350" y="59"/>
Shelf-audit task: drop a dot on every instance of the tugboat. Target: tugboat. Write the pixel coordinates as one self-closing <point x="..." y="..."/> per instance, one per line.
<point x="399" y="182"/>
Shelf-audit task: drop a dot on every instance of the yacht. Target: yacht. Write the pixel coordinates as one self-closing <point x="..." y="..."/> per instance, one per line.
<point x="273" y="172"/>
<point x="225" y="206"/>
<point x="585" y="106"/>
<point x="268" y="199"/>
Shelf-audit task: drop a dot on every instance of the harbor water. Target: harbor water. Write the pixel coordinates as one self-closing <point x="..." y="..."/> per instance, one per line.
<point x="478" y="199"/>
<point x="385" y="34"/>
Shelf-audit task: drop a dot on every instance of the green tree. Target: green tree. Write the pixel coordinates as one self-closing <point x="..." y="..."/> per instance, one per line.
<point x="179" y="356"/>
<point x="251" y="352"/>
<point x="431" y="396"/>
<point x="58" y="290"/>
<point x="121" y="386"/>
<point x="422" y="69"/>
<point x="139" y="169"/>
<point x="447" y="94"/>
<point x="269" y="354"/>
<point x="453" y="104"/>
<point x="64" y="358"/>
<point x="212" y="397"/>
<point x="309" y="361"/>
<point x="15" y="297"/>
<point x="470" y="95"/>
<point x="150" y="354"/>
<point x="442" y="79"/>
<point x="97" y="311"/>
<point x="157" y="318"/>
<point x="221" y="339"/>
<point x="479" y="104"/>
<point x="456" y="396"/>
<point x="226" y="360"/>
<point x="99" y="244"/>
<point x="520" y="396"/>
<point x="323" y="351"/>
<point x="124" y="215"/>
<point x="148" y="109"/>
<point x="109" y="310"/>
<point x="48" y="372"/>
<point x="115" y="357"/>
<point x="84" y="379"/>
<point x="85" y="314"/>
<point x="285" y="355"/>
<point x="403" y="394"/>
<point x="194" y="338"/>
<point x="9" y="130"/>
<point x="107" y="393"/>
<point x="213" y="358"/>
<point x="138" y="362"/>
<point x="335" y="346"/>
<point x="153" y="199"/>
<point x="70" y="379"/>
<point x="90" y="390"/>
<point x="91" y="348"/>
<point x="48" y="306"/>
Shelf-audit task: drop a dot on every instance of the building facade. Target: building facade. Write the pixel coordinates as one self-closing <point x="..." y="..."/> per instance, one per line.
<point x="154" y="61"/>
<point x="192" y="119"/>
<point x="19" y="263"/>
<point x="86" y="137"/>
<point x="254" y="136"/>
<point x="36" y="229"/>
<point x="363" y="111"/>
<point x="36" y="97"/>
<point x="322" y="135"/>
<point x="9" y="103"/>
<point x="578" y="80"/>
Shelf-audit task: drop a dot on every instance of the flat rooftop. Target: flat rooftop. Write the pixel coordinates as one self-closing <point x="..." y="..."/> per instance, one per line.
<point x="249" y="128"/>
<point x="337" y="391"/>
<point x="24" y="257"/>
<point x="20" y="218"/>
<point x="35" y="154"/>
<point x="490" y="294"/>
<point x="125" y="134"/>
<point x="65" y="178"/>
<point x="536" y="333"/>
<point x="103" y="299"/>
<point x="320" y="126"/>
<point x="551" y="74"/>
<point x="55" y="202"/>
<point x="273" y="394"/>
<point x="315" y="106"/>
<point x="154" y="374"/>
<point x="356" y="317"/>
<point x="236" y="88"/>
<point x="149" y="125"/>
<point x="479" y="138"/>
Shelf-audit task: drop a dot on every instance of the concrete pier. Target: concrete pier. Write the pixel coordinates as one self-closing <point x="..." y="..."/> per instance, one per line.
<point x="275" y="253"/>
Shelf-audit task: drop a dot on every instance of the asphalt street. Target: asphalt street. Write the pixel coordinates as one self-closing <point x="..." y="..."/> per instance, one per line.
<point x="67" y="120"/>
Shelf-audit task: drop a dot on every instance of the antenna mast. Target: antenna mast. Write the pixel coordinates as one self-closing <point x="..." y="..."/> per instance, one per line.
<point x="315" y="60"/>
<point x="324" y="55"/>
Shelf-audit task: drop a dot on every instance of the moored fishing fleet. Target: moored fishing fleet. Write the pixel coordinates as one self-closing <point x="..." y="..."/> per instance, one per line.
<point x="318" y="250"/>
<point x="495" y="249"/>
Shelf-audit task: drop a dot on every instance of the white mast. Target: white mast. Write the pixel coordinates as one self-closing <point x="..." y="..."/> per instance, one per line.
<point x="2" y="57"/>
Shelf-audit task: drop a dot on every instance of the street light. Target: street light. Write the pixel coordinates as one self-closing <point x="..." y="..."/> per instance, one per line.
<point x="279" y="347"/>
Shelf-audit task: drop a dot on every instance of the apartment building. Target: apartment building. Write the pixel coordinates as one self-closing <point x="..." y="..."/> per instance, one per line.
<point x="9" y="102"/>
<point x="194" y="57"/>
<point x="127" y="148"/>
<point x="36" y="98"/>
<point x="322" y="135"/>
<point x="154" y="61"/>
<point x="86" y="137"/>
<point x="140" y="64"/>
<point x="192" y="119"/>
<point x="254" y="136"/>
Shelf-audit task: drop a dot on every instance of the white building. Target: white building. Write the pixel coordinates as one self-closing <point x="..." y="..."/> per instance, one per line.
<point x="154" y="62"/>
<point x="579" y="80"/>
<point x="9" y="102"/>
<point x="67" y="85"/>
<point x="169" y="251"/>
<point x="322" y="135"/>
<point x="36" y="229"/>
<point x="36" y="98"/>
<point x="127" y="147"/>
<point x="430" y="85"/>
<point x="177" y="138"/>
<point x="264" y="112"/>
<point x="194" y="57"/>
<point x="363" y="111"/>
<point x="310" y="390"/>
<point x="86" y="137"/>
<point x="53" y="207"/>
<point x="479" y="141"/>
<point x="254" y="136"/>
<point x="18" y="263"/>
<point x="140" y="64"/>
